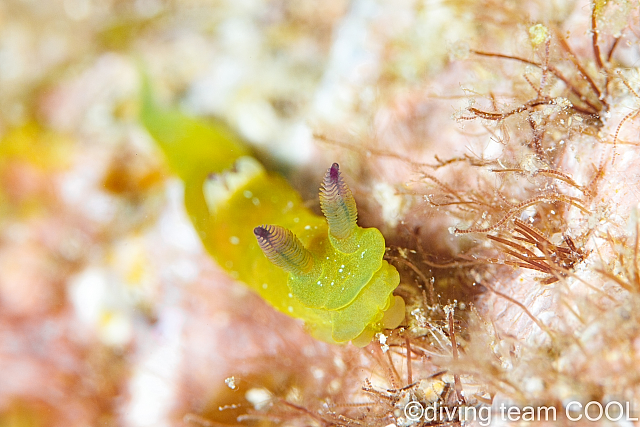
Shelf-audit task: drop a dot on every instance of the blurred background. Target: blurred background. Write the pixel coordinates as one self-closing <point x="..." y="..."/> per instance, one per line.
<point x="111" y="313"/>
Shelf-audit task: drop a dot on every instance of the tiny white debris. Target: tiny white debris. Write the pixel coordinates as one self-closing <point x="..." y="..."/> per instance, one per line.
<point x="248" y="194"/>
<point x="531" y="164"/>
<point x="528" y="214"/>
<point x="382" y="339"/>
<point x="317" y="373"/>
<point x="231" y="383"/>
<point x="534" y="385"/>
<point x="538" y="34"/>
<point x="234" y="240"/>
<point x="394" y="206"/>
<point x="258" y="397"/>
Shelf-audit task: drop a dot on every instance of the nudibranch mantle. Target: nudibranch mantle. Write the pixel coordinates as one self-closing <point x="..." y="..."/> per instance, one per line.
<point x="339" y="272"/>
<point x="228" y="194"/>
<point x="328" y="272"/>
<point x="343" y="275"/>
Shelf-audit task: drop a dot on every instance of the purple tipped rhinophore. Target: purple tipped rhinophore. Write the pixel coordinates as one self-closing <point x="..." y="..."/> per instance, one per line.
<point x="261" y="233"/>
<point x="334" y="172"/>
<point x="283" y="248"/>
<point x="337" y="204"/>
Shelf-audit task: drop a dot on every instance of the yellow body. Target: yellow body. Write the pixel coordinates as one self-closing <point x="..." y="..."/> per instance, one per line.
<point x="228" y="194"/>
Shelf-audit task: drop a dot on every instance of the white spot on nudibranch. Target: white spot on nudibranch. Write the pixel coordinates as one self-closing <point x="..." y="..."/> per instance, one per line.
<point x="234" y="240"/>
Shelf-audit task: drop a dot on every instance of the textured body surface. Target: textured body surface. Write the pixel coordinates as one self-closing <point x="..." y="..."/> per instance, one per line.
<point x="345" y="294"/>
<point x="343" y="291"/>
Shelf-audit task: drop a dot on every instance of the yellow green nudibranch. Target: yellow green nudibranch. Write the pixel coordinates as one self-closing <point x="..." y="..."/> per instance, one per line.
<point x="327" y="272"/>
<point x="339" y="272"/>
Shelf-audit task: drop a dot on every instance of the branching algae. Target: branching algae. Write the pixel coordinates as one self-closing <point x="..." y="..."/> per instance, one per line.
<point x="328" y="271"/>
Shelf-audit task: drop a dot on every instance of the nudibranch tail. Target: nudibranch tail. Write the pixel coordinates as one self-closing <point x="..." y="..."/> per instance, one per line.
<point x="283" y="248"/>
<point x="337" y="204"/>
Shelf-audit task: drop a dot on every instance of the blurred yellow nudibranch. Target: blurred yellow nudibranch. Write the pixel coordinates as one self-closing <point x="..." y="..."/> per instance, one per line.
<point x="328" y="271"/>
